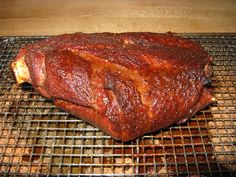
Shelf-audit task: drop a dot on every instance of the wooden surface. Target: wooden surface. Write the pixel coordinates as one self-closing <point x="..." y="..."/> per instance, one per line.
<point x="44" y="17"/>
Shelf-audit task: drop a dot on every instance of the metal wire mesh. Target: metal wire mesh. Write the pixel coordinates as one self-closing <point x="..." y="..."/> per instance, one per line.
<point x="36" y="138"/>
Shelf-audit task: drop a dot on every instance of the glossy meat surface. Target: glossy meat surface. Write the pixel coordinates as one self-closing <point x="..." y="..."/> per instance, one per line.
<point x="127" y="84"/>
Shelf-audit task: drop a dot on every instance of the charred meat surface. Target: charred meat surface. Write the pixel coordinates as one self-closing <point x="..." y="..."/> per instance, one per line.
<point x="127" y="84"/>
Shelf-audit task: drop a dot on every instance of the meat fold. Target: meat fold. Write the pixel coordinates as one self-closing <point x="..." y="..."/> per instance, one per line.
<point x="127" y="84"/>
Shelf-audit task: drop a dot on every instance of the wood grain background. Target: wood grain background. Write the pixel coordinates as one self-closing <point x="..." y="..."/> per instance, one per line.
<point x="43" y="17"/>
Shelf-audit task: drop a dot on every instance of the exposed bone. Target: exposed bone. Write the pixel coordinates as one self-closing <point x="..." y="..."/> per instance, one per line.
<point x="20" y="69"/>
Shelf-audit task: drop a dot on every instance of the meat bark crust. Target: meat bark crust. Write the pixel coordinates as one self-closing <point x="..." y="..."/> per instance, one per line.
<point x="127" y="84"/>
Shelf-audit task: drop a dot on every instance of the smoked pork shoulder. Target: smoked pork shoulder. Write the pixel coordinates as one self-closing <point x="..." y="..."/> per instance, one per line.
<point x="126" y="84"/>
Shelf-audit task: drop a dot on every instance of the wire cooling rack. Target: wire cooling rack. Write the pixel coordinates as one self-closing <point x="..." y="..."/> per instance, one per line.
<point x="37" y="139"/>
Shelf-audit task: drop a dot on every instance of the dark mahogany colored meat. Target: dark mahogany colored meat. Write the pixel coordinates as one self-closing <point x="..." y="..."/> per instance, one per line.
<point x="127" y="84"/>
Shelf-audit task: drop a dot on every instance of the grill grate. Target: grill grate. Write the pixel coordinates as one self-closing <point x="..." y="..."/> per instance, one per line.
<point x="36" y="138"/>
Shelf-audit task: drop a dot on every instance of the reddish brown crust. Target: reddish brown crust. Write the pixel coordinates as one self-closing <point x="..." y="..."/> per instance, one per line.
<point x="68" y="77"/>
<point x="127" y="84"/>
<point x="88" y="114"/>
<point x="92" y="116"/>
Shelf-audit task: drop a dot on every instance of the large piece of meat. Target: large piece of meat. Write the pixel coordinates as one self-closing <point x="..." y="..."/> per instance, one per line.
<point x="127" y="84"/>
